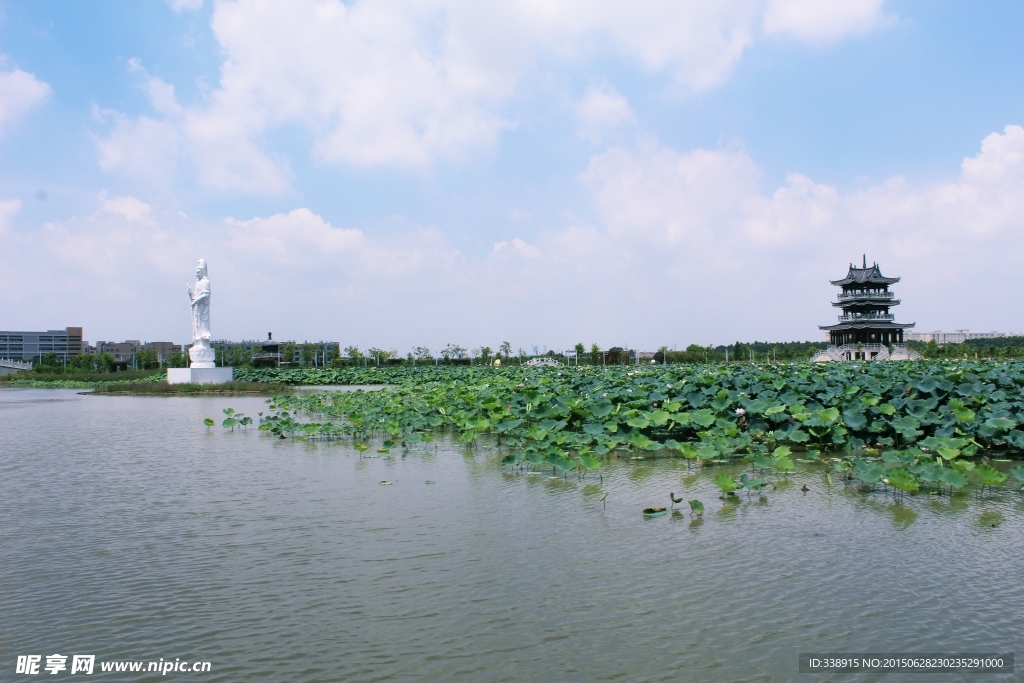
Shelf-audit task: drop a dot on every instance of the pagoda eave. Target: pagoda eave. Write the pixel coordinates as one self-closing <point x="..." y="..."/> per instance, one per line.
<point x="866" y="302"/>
<point x="854" y="280"/>
<point x="866" y="325"/>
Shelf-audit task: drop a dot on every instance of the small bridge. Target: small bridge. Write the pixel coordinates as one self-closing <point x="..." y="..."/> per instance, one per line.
<point x="9" y="367"/>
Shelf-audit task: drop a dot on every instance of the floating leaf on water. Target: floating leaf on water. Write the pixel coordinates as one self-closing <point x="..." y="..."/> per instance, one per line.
<point x="386" y="483"/>
<point x="430" y="481"/>
<point x="655" y="511"/>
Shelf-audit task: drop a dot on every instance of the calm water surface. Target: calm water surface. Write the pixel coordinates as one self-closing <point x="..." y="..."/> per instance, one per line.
<point x="130" y="531"/>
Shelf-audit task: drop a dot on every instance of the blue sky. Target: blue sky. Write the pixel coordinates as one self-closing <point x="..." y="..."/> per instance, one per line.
<point x="398" y="173"/>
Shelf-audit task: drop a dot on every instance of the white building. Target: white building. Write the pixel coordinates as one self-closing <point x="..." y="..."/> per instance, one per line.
<point x="958" y="337"/>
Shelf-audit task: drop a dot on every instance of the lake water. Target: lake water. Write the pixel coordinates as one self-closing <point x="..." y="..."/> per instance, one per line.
<point x="130" y="531"/>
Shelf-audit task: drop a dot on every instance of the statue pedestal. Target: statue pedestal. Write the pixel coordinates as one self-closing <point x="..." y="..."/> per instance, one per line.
<point x="202" y="354"/>
<point x="199" y="375"/>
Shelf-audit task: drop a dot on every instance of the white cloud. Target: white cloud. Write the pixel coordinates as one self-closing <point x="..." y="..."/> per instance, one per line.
<point x="8" y="209"/>
<point x="20" y="92"/>
<point x="185" y="5"/>
<point x="132" y="209"/>
<point x="522" y="248"/>
<point x="686" y="247"/>
<point x="601" y="109"/>
<point x="402" y="83"/>
<point x="765" y="259"/>
<point x="814" y="21"/>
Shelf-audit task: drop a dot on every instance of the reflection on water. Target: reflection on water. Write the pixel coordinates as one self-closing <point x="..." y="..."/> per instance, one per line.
<point x="131" y="531"/>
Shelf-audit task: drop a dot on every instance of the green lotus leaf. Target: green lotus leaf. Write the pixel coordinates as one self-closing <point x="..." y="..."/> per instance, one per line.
<point x="726" y="483"/>
<point x="855" y="419"/>
<point x="903" y="480"/>
<point x="659" y="418"/>
<point x="988" y="475"/>
<point x="953" y="478"/>
<point x="964" y="414"/>
<point x="638" y="422"/>
<point x="784" y="463"/>
<point x="829" y="414"/>
<point x="1000" y="423"/>
<point x="703" y="417"/>
<point x="751" y="484"/>
<point x="798" y="436"/>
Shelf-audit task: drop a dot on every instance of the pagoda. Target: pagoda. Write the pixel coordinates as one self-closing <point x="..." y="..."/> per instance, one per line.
<point x="866" y="329"/>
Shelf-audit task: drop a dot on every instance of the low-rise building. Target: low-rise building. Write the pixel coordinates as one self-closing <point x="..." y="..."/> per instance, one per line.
<point x="164" y="350"/>
<point x="958" y="337"/>
<point x="121" y="351"/>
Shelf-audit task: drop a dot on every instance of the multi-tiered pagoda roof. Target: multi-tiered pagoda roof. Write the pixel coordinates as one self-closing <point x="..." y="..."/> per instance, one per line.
<point x="865" y="301"/>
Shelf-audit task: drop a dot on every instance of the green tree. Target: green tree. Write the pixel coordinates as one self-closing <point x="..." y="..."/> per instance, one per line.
<point x="355" y="354"/>
<point x="177" y="360"/>
<point x="146" y="359"/>
<point x="288" y="352"/>
<point x="580" y="350"/>
<point x="595" y="354"/>
<point x="485" y="354"/>
<point x="452" y="351"/>
<point x="505" y="349"/>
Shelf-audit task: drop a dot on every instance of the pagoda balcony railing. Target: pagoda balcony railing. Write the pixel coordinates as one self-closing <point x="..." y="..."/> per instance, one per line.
<point x="881" y="317"/>
<point x="866" y="295"/>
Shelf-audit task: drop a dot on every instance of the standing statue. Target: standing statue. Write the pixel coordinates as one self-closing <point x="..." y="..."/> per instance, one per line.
<point x="201" y="353"/>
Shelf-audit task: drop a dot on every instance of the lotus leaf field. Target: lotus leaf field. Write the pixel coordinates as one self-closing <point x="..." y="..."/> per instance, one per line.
<point x="908" y="426"/>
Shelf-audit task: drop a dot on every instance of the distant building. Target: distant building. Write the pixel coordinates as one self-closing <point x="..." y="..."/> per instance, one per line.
<point x="121" y="351"/>
<point x="29" y="346"/>
<point x="164" y="350"/>
<point x="958" y="337"/>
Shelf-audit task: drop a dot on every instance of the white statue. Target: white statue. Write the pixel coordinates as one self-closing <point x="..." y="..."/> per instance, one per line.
<point x="201" y="353"/>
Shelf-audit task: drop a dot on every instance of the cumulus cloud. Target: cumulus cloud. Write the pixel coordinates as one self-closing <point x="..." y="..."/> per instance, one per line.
<point x="130" y="208"/>
<point x="685" y="247"/>
<point x="819" y="22"/>
<point x="20" y="92"/>
<point x="8" y="208"/>
<point x="768" y="256"/>
<point x="601" y="110"/>
<point x="185" y="5"/>
<point x="401" y="83"/>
